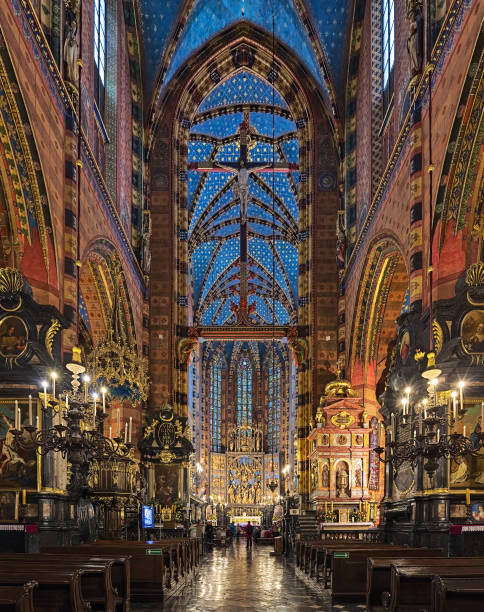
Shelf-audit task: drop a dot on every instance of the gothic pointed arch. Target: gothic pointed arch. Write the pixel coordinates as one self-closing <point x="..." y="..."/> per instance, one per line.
<point x="26" y="228"/>
<point x="382" y="297"/>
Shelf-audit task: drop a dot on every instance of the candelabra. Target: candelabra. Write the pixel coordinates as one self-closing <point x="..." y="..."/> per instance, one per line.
<point x="430" y="437"/>
<point x="76" y="436"/>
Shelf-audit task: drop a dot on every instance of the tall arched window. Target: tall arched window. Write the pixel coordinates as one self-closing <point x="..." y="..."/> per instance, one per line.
<point x="274" y="406"/>
<point x="99" y="52"/>
<point x="216" y="406"/>
<point x="388" y="42"/>
<point x="244" y="392"/>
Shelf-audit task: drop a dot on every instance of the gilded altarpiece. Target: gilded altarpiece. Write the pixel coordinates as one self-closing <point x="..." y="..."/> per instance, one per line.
<point x="345" y="478"/>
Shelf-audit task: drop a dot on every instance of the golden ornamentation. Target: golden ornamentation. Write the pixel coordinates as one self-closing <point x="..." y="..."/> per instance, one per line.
<point x="11" y="281"/>
<point x="438" y="336"/>
<point x="342" y="419"/>
<point x="475" y="275"/>
<point x="116" y="360"/>
<point x="419" y="355"/>
<point x="166" y="456"/>
<point x="339" y="388"/>
<point x="50" y="336"/>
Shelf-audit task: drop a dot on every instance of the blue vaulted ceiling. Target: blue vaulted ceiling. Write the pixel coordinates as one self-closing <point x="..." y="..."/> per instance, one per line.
<point x="214" y="210"/>
<point x="208" y="17"/>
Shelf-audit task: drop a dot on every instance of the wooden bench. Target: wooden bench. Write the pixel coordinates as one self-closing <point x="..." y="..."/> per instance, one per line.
<point x="349" y="568"/>
<point x="411" y="587"/>
<point x="57" y="591"/>
<point x="325" y="557"/>
<point x="120" y="569"/>
<point x="321" y="559"/>
<point x="378" y="581"/>
<point x="457" y="594"/>
<point x="18" y="598"/>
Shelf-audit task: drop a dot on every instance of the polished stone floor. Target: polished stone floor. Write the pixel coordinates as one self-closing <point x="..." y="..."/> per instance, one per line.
<point x="236" y="580"/>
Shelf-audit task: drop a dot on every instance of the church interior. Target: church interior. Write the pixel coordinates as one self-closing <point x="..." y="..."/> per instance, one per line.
<point x="241" y="305"/>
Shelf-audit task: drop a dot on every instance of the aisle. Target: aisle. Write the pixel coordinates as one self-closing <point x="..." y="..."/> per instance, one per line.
<point x="234" y="579"/>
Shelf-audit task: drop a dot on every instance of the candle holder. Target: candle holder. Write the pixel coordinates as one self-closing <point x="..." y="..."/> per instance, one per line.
<point x="79" y="444"/>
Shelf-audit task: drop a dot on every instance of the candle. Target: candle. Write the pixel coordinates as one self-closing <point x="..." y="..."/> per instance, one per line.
<point x="126" y="432"/>
<point x="87" y="379"/>
<point x="130" y="428"/>
<point x="36" y="422"/>
<point x="119" y="423"/>
<point x="44" y="384"/>
<point x="482" y="417"/>
<point x="464" y="431"/>
<point x="438" y="435"/>
<point x="17" y="415"/>
<point x="19" y="418"/>
<point x="461" y="395"/>
<point x="454" y="410"/>
<point x="420" y="423"/>
<point x="325" y="506"/>
<point x="110" y="431"/>
<point x="331" y="506"/>
<point x="30" y="410"/>
<point x="67" y="401"/>
<point x="53" y="375"/>
<point x="94" y="395"/>
<point x="360" y="506"/>
<point x="24" y="497"/>
<point x="468" y="497"/>
<point x="95" y="411"/>
<point x="103" y="391"/>
<point x="392" y="431"/>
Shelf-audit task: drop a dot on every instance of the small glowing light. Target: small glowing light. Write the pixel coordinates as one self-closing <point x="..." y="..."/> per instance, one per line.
<point x="103" y="390"/>
<point x="454" y="394"/>
<point x="434" y="381"/>
<point x="44" y="383"/>
<point x="86" y="378"/>
<point x="408" y="390"/>
<point x="462" y="384"/>
<point x="95" y="395"/>
<point x="53" y="375"/>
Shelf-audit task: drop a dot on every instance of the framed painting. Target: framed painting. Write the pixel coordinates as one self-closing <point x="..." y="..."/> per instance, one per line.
<point x="167" y="484"/>
<point x="19" y="468"/>
<point x="468" y="471"/>
<point x="9" y="501"/>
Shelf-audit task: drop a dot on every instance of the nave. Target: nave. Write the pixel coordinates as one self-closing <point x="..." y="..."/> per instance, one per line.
<point x="238" y="579"/>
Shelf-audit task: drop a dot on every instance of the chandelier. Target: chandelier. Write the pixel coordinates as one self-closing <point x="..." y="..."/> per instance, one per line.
<point x="115" y="359"/>
<point x="430" y="423"/>
<point x="78" y="435"/>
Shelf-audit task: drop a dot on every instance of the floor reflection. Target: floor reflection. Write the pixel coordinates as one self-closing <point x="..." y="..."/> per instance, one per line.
<point x="235" y="579"/>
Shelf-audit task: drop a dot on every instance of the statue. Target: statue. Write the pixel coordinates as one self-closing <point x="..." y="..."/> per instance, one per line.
<point x="340" y="243"/>
<point x="342" y="481"/>
<point x="415" y="37"/>
<point x="325" y="476"/>
<point x="71" y="51"/>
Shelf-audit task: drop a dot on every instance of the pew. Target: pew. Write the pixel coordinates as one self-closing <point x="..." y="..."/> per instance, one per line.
<point x="58" y="590"/>
<point x="322" y="556"/>
<point x="378" y="581"/>
<point x="411" y="587"/>
<point x="349" y="568"/>
<point x="120" y="569"/>
<point x="18" y="598"/>
<point x="457" y="594"/>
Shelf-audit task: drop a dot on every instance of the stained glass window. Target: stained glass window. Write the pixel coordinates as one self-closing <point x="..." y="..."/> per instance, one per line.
<point x="216" y="406"/>
<point x="99" y="51"/>
<point x="388" y="43"/>
<point x="244" y="392"/>
<point x="274" y="406"/>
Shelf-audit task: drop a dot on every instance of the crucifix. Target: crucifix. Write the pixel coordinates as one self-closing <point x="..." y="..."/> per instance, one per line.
<point x="242" y="168"/>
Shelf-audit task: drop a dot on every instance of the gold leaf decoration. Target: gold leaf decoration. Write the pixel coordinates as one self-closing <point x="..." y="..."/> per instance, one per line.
<point x="50" y="336"/>
<point x="438" y="336"/>
<point x="475" y="275"/>
<point x="11" y="281"/>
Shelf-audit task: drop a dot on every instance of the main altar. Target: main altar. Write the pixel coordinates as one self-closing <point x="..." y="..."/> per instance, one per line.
<point x="345" y="471"/>
<point x="245" y="478"/>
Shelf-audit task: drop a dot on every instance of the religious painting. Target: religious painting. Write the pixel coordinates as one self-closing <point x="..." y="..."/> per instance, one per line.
<point x="468" y="471"/>
<point x="325" y="475"/>
<point x="472" y="332"/>
<point x="166" y="484"/>
<point x="404" y="348"/>
<point x="9" y="506"/>
<point x="13" y="337"/>
<point x="244" y="480"/>
<point x="477" y="513"/>
<point x="458" y="511"/>
<point x="374" y="478"/>
<point x="18" y="467"/>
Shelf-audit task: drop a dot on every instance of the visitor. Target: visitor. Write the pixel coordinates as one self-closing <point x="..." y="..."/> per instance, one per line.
<point x="249" y="530"/>
<point x="232" y="529"/>
<point x="209" y="533"/>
